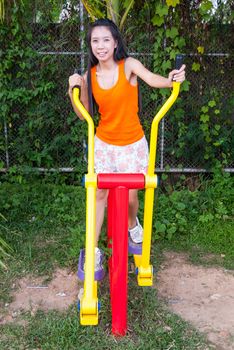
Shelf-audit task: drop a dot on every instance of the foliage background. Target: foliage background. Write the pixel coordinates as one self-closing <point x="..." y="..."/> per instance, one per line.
<point x="42" y="44"/>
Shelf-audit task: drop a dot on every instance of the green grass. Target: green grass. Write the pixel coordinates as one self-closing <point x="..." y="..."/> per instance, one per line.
<point x="207" y="245"/>
<point x="45" y="227"/>
<point x="214" y="244"/>
<point x="150" y="326"/>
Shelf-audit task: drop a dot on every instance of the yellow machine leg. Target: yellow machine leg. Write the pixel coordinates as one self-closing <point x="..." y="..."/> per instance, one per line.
<point x="145" y="270"/>
<point x="89" y="301"/>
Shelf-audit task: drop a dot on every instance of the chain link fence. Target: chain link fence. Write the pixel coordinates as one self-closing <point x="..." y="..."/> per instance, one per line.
<point x="179" y="144"/>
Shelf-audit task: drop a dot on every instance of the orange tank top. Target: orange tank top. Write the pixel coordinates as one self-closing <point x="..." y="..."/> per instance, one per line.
<point x="119" y="122"/>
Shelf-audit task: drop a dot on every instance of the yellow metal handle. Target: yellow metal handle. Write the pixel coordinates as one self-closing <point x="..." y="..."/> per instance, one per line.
<point x="145" y="270"/>
<point x="88" y="118"/>
<point x="89" y="302"/>
<point x="154" y="127"/>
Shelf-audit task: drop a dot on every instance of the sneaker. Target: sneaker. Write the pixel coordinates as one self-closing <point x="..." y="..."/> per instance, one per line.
<point x="99" y="269"/>
<point x="98" y="259"/>
<point x="136" y="233"/>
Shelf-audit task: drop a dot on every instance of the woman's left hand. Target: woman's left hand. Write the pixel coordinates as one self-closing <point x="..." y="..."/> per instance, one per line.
<point x="177" y="75"/>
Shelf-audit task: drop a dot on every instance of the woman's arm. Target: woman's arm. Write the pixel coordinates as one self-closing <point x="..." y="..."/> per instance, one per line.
<point x="74" y="80"/>
<point x="134" y="66"/>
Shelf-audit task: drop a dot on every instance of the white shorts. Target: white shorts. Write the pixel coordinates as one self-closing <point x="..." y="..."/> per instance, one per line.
<point x="130" y="159"/>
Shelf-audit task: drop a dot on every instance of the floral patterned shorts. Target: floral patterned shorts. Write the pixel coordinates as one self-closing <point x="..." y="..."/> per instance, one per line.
<point x="131" y="158"/>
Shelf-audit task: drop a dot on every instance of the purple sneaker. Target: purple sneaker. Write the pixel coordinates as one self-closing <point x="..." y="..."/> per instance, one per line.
<point x="99" y="269"/>
<point x="135" y="238"/>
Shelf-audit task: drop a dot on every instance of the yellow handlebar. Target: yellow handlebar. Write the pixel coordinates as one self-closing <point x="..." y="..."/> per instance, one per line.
<point x="88" y="118"/>
<point x="154" y="127"/>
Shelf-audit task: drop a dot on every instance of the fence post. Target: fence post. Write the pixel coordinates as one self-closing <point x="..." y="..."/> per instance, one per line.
<point x="82" y="37"/>
<point x="6" y="144"/>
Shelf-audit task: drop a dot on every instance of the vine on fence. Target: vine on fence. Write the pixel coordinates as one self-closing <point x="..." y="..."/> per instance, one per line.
<point x="204" y="131"/>
<point x="31" y="107"/>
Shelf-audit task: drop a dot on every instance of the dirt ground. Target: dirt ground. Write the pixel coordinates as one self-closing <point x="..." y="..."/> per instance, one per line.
<point x="31" y="294"/>
<point x="202" y="296"/>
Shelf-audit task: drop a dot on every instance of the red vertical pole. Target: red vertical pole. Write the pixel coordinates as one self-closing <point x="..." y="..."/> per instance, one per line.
<point x="110" y="222"/>
<point x="118" y="224"/>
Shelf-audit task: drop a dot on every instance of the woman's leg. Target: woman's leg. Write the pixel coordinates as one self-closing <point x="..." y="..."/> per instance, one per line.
<point x="133" y="208"/>
<point x="101" y="198"/>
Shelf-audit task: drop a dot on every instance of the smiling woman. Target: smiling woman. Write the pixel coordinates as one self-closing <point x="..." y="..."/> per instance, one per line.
<point x="111" y="81"/>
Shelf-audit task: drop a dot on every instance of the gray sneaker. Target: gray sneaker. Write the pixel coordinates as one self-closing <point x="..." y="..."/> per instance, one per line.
<point x="98" y="259"/>
<point x="98" y="267"/>
<point x="136" y="233"/>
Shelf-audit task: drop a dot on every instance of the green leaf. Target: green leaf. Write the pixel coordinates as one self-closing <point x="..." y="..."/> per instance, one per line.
<point x="219" y="143"/>
<point x="217" y="127"/>
<point x="172" y="33"/>
<point x="212" y="103"/>
<point x="200" y="49"/>
<point x="208" y="217"/>
<point x="157" y="20"/>
<point x="206" y="6"/>
<point x="166" y="65"/>
<point x="204" y="118"/>
<point x="204" y="127"/>
<point x="204" y="109"/>
<point x="181" y="206"/>
<point x="179" y="42"/>
<point x="124" y="16"/>
<point x="173" y="54"/>
<point x="161" y="10"/>
<point x="160" y="228"/>
<point x="214" y="132"/>
<point x="185" y="85"/>
<point x="164" y="92"/>
<point x="196" y="66"/>
<point x="171" y="230"/>
<point x="172" y="3"/>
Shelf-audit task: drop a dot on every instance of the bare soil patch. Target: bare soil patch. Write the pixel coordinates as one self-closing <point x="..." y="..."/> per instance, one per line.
<point x="202" y="296"/>
<point x="33" y="293"/>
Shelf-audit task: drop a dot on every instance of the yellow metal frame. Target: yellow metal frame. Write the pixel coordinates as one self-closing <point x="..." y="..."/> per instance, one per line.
<point x="145" y="270"/>
<point x="89" y="301"/>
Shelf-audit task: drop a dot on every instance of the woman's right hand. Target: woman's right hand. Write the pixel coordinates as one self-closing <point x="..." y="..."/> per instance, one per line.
<point x="75" y="79"/>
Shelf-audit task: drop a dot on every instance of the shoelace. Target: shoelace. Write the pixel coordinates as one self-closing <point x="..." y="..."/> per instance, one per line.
<point x="98" y="255"/>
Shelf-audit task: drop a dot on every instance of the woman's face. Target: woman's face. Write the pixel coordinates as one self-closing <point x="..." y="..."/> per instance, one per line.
<point x="102" y="43"/>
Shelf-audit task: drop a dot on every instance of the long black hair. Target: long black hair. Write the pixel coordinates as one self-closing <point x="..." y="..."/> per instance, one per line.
<point x="120" y="52"/>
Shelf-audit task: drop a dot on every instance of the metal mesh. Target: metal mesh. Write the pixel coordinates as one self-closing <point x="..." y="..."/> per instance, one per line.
<point x="61" y="146"/>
